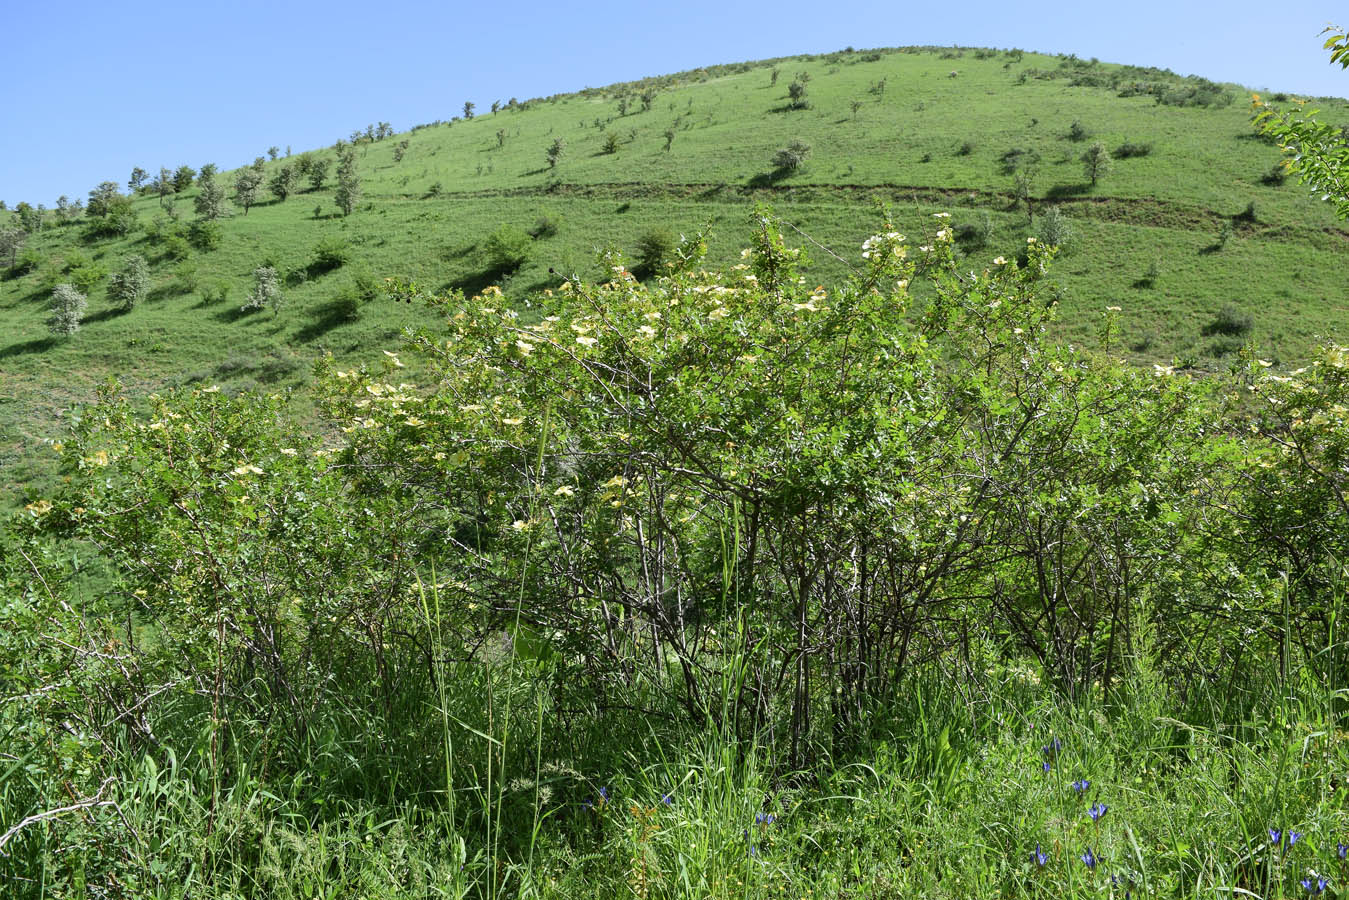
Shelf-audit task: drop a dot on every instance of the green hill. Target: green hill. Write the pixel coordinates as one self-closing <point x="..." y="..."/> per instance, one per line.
<point x="1188" y="232"/>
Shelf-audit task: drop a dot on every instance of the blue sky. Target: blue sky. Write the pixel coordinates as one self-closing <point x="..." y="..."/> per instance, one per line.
<point x="99" y="87"/>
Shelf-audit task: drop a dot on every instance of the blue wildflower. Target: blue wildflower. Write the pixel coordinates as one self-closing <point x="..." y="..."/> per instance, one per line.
<point x="604" y="794"/>
<point x="1314" y="886"/>
<point x="1274" y="835"/>
<point x="1039" y="856"/>
<point x="1090" y="859"/>
<point x="1294" y="837"/>
<point x="1097" y="811"/>
<point x="1341" y="850"/>
<point x="764" y="818"/>
<point x="667" y="799"/>
<point x="1081" y="785"/>
<point x="1044" y="767"/>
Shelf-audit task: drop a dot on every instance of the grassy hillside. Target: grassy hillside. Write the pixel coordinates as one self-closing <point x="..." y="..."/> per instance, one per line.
<point x="923" y="130"/>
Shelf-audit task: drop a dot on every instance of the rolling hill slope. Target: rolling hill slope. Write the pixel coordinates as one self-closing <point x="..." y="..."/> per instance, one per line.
<point x="1190" y="229"/>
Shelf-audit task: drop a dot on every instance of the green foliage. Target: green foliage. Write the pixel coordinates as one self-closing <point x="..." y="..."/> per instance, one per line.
<point x="1056" y="229"/>
<point x="247" y="184"/>
<point x="796" y="93"/>
<point x="1230" y="321"/>
<point x="330" y="253"/>
<point x="210" y="200"/>
<point x="129" y="286"/>
<point x="791" y="157"/>
<point x="611" y="144"/>
<point x="1077" y="131"/>
<point x="205" y="235"/>
<point x="176" y="247"/>
<point x="266" y="291"/>
<point x="87" y="276"/>
<point x="507" y="248"/>
<point x="283" y="182"/>
<point x="182" y="177"/>
<point x="109" y="212"/>
<point x="1096" y="162"/>
<point x="1133" y="149"/>
<point x="348" y="192"/>
<point x="555" y="151"/>
<point x="67" y="310"/>
<point x="318" y="173"/>
<point x="655" y="247"/>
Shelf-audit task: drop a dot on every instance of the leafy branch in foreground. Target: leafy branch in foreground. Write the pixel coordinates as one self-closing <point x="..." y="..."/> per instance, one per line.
<point x="1318" y="151"/>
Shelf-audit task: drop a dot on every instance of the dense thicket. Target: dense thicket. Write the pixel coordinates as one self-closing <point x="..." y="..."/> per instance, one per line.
<point x="719" y="497"/>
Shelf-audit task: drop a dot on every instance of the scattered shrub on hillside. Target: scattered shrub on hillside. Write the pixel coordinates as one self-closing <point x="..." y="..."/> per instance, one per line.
<point x="507" y="248"/>
<point x="1231" y="321"/>
<point x="12" y="239"/>
<point x="205" y="235"/>
<point x="1017" y="158"/>
<point x="1276" y="176"/>
<point x="796" y="92"/>
<point x="669" y="139"/>
<point x="791" y="157"/>
<point x="246" y="186"/>
<point x="976" y="235"/>
<point x="176" y="247"/>
<point x="217" y="292"/>
<point x="283" y="182"/>
<point x="654" y="249"/>
<point x="67" y="310"/>
<point x="611" y="144"/>
<point x="86" y="278"/>
<point x="773" y="76"/>
<point x="185" y="277"/>
<point x="266" y="291"/>
<point x="109" y="212"/>
<point x="318" y="173"/>
<point x="129" y="286"/>
<point x="330" y="253"/>
<point x="1130" y="149"/>
<point x="363" y="288"/>
<point x="1096" y="162"/>
<point x="182" y="178"/>
<point x="210" y="200"/>
<point x="965" y="149"/>
<point x="555" y="151"/>
<point x="1055" y="230"/>
<point x="545" y="226"/>
<point x="1077" y="131"/>
<point x="348" y="192"/>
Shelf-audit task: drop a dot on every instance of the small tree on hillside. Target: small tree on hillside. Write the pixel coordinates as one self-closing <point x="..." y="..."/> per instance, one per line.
<point x="67" y="211"/>
<point x="138" y="177"/>
<point x="669" y="139"/>
<point x="266" y="291"/>
<point x="183" y="175"/>
<point x="1096" y="162"/>
<point x="1056" y="229"/>
<point x="318" y="173"/>
<point x="127" y="287"/>
<point x="163" y="186"/>
<point x="12" y="239"/>
<point x="790" y="158"/>
<point x="348" y="185"/>
<point x="555" y="151"/>
<point x="67" y="310"/>
<point x="246" y="186"/>
<point x="468" y="109"/>
<point x="283" y="183"/>
<point x="611" y="144"/>
<point x="273" y="152"/>
<point x="1023" y="189"/>
<point x="210" y="200"/>
<point x="796" y="91"/>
